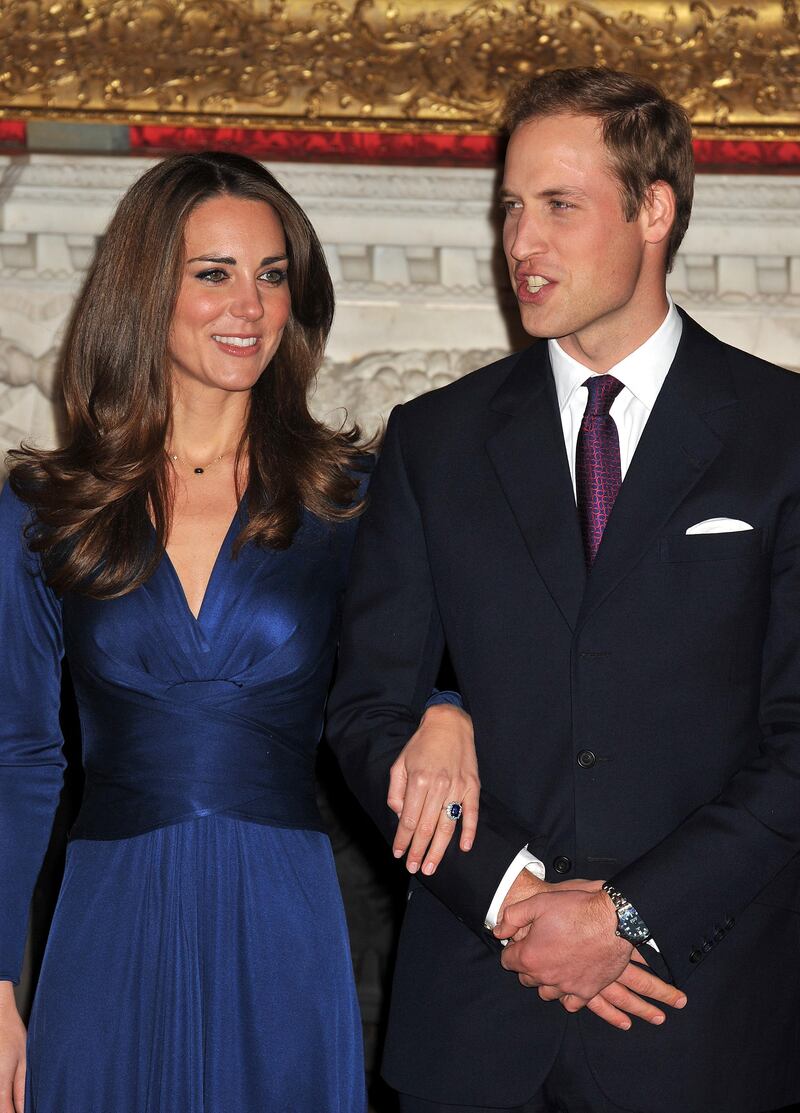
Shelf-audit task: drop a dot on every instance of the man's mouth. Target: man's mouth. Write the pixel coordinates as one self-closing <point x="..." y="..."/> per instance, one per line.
<point x="536" y="282"/>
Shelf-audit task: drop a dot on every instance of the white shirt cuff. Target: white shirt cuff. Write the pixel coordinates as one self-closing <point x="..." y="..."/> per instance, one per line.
<point x="523" y="861"/>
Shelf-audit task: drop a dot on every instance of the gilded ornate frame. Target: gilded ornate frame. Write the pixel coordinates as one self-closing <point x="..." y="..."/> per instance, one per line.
<point x="391" y="65"/>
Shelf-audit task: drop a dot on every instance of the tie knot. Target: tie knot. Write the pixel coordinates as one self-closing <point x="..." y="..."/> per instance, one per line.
<point x="603" y="389"/>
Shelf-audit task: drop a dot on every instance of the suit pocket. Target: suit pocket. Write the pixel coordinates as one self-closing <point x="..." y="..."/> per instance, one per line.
<point x="712" y="546"/>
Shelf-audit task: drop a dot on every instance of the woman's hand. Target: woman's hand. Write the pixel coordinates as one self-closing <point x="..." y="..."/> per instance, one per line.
<point x="437" y="766"/>
<point x="12" y="1053"/>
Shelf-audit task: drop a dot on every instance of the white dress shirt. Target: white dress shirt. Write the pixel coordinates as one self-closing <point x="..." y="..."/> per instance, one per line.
<point x="642" y="374"/>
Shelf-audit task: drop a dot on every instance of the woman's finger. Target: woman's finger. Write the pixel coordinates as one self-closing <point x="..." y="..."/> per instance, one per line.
<point x="469" y="814"/>
<point x="413" y="802"/>
<point x="428" y="820"/>
<point x="398" y="779"/>
<point x="445" y="829"/>
<point x="19" y="1088"/>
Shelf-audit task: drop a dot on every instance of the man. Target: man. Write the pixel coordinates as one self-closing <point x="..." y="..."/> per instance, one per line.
<point x="604" y="531"/>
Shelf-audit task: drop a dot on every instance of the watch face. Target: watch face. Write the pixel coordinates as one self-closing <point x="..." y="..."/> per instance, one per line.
<point x="632" y="927"/>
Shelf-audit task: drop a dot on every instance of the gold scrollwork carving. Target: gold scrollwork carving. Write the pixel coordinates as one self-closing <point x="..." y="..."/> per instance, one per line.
<point x="387" y="64"/>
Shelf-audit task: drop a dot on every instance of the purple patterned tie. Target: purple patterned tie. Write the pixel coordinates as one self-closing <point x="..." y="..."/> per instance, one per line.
<point x="597" y="468"/>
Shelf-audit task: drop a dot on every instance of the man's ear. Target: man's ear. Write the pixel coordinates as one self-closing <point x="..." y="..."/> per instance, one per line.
<point x="659" y="212"/>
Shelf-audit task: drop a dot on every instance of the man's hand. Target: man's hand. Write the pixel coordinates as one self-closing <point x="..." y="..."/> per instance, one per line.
<point x="570" y="943"/>
<point x="624" y="997"/>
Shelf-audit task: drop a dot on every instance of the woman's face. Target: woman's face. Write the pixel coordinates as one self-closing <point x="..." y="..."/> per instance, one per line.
<point x="233" y="301"/>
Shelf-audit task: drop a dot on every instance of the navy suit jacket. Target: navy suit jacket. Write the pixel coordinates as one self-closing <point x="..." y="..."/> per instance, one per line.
<point x="673" y="669"/>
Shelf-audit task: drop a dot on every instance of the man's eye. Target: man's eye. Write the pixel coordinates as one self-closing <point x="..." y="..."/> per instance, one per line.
<point x="511" y="206"/>
<point x="213" y="276"/>
<point x="560" y="206"/>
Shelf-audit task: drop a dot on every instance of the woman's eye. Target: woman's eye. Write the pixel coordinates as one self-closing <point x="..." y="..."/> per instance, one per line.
<point x="274" y="277"/>
<point x="213" y="276"/>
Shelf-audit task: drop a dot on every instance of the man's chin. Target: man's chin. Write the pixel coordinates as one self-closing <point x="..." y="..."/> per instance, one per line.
<point x="537" y="323"/>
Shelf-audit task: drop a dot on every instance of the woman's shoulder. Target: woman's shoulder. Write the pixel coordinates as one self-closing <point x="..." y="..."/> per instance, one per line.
<point x="15" y="514"/>
<point x="360" y="469"/>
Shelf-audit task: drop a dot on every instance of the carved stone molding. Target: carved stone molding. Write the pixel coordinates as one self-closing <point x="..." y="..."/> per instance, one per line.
<point x="419" y="280"/>
<point x="400" y="64"/>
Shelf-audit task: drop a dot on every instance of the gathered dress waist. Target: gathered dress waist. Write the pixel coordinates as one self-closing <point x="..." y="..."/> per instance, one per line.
<point x="200" y="749"/>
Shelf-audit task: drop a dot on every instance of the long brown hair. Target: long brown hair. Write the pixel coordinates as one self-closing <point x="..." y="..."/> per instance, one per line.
<point x="647" y="136"/>
<point x="94" y="499"/>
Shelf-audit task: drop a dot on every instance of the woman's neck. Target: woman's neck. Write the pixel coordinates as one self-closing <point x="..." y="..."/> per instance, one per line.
<point x="207" y="424"/>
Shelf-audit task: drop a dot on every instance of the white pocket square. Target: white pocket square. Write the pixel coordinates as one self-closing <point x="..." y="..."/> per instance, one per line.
<point x="719" y="525"/>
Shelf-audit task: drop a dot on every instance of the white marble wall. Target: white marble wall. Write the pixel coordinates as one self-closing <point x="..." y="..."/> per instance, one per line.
<point x="414" y="257"/>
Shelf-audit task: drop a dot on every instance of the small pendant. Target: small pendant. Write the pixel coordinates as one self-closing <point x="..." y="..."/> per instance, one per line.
<point x="199" y="471"/>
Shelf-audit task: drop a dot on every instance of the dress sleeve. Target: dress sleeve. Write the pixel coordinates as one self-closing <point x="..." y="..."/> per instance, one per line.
<point x="31" y="760"/>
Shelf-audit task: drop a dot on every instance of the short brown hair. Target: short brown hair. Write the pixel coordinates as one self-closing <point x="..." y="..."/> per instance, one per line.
<point x="648" y="136"/>
<point x="93" y="499"/>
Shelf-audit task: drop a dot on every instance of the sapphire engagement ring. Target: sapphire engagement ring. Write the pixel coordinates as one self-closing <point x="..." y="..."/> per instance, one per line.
<point x="453" y="810"/>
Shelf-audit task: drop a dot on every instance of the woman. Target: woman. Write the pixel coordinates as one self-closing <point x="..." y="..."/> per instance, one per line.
<point x="187" y="549"/>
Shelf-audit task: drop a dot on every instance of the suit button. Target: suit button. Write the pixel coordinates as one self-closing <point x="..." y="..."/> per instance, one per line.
<point x="695" y="956"/>
<point x="707" y="946"/>
<point x="719" y="935"/>
<point x="562" y="864"/>
<point x="729" y="923"/>
<point x="586" y="759"/>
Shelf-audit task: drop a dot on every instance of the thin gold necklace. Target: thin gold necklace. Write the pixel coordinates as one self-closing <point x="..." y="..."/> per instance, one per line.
<point x="200" y="470"/>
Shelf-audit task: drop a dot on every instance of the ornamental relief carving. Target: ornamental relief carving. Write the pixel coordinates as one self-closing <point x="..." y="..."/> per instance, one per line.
<point x="401" y="64"/>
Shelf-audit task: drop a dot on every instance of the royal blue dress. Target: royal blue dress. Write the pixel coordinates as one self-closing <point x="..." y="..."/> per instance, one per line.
<point x="198" y="960"/>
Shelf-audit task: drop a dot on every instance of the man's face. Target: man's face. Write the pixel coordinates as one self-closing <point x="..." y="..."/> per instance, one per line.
<point x="575" y="262"/>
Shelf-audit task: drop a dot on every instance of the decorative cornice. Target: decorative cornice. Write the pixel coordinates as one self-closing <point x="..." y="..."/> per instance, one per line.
<point x="387" y="64"/>
<point x="94" y="183"/>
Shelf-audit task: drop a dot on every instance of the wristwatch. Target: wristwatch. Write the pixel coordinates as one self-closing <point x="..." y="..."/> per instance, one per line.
<point x="630" y="925"/>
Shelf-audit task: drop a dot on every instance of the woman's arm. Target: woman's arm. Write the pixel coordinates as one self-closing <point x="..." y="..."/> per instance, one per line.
<point x="437" y="766"/>
<point x="31" y="764"/>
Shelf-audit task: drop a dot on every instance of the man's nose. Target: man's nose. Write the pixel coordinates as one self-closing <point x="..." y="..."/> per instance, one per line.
<point x="527" y="239"/>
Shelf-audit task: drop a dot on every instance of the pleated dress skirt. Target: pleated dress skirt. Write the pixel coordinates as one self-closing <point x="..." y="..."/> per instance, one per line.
<point x="200" y="968"/>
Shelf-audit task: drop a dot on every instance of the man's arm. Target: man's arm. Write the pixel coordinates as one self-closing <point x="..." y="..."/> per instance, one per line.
<point x="691" y="886"/>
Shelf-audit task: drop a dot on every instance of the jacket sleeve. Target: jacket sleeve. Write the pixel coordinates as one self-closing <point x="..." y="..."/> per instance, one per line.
<point x="691" y="886"/>
<point x="31" y="761"/>
<point x="391" y="647"/>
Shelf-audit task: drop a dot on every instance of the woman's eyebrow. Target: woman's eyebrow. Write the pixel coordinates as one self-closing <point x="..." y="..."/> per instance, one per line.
<point x="231" y="262"/>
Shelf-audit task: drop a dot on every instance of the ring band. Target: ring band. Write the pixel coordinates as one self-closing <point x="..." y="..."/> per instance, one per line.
<point x="453" y="810"/>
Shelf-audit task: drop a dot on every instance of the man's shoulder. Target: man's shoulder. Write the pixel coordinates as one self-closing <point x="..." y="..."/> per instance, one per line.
<point x="471" y="392"/>
<point x="753" y="374"/>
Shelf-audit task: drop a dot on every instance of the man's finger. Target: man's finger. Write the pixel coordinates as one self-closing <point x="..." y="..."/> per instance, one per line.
<point x="549" y="993"/>
<point x="627" y="1001"/>
<point x="515" y="916"/>
<point x="572" y="1003"/>
<point x="607" y="1012"/>
<point x="647" y="984"/>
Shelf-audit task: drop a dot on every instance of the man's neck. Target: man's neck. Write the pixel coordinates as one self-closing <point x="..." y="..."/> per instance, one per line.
<point x="606" y="343"/>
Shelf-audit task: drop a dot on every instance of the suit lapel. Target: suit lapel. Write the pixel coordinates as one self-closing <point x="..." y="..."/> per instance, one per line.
<point x="695" y="412"/>
<point x="530" y="460"/>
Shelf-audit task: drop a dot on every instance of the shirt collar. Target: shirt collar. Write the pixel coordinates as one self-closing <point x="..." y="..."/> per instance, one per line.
<point x="642" y="372"/>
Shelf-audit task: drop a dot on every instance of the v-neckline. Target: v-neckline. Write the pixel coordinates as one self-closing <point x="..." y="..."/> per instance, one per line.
<point x="197" y="618"/>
